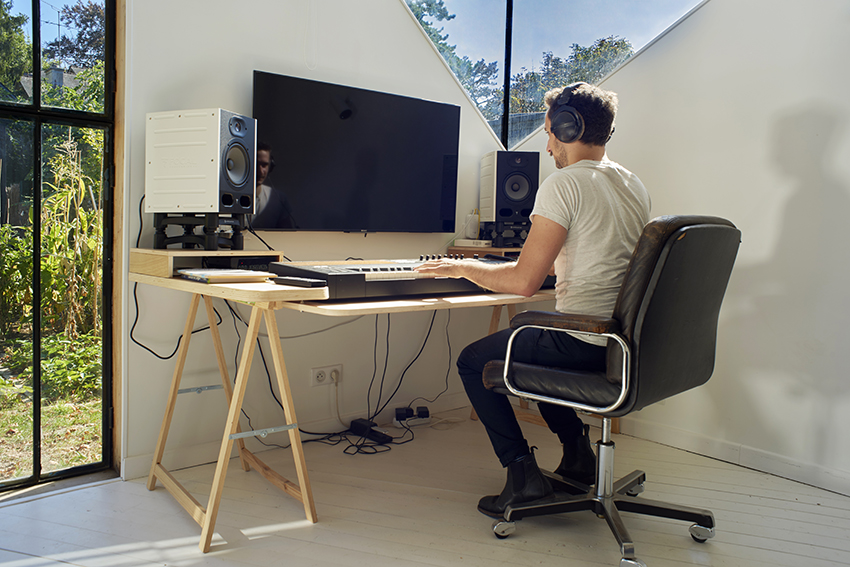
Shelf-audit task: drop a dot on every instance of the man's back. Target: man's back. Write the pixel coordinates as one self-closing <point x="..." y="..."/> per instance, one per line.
<point x="604" y="208"/>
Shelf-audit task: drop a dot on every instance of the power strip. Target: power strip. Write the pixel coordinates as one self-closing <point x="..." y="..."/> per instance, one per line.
<point x="412" y="422"/>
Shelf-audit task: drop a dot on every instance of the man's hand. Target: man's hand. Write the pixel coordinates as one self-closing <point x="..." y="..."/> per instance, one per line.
<point x="445" y="268"/>
<point x="522" y="277"/>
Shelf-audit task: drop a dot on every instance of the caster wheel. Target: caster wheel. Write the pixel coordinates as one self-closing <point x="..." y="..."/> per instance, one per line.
<point x="635" y="490"/>
<point x="503" y="529"/>
<point x="631" y="563"/>
<point x="701" y="534"/>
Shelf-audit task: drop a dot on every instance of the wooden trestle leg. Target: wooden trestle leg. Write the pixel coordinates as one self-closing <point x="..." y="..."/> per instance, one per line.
<point x="206" y="518"/>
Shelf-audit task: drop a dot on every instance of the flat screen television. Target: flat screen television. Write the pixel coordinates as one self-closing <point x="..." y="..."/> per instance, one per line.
<point x="355" y="160"/>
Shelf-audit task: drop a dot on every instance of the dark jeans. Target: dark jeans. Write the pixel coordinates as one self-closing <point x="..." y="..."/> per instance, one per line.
<point x="533" y="346"/>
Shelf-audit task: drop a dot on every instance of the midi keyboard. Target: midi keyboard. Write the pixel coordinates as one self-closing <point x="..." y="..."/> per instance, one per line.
<point x="379" y="278"/>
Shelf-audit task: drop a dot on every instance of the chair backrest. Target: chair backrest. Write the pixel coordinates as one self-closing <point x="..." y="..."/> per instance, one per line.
<point x="669" y="305"/>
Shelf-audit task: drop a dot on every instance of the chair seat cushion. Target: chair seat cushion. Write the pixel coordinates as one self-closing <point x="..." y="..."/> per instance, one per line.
<point x="589" y="388"/>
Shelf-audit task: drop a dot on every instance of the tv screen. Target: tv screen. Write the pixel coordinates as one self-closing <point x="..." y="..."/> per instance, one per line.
<point x="354" y="160"/>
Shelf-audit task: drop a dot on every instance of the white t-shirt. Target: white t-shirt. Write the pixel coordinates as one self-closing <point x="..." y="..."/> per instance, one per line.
<point x="604" y="208"/>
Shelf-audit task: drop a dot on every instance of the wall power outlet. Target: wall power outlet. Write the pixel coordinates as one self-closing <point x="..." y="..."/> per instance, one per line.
<point x="325" y="375"/>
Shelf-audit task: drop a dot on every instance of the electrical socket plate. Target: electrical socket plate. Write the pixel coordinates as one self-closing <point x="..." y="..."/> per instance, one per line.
<point x="325" y="375"/>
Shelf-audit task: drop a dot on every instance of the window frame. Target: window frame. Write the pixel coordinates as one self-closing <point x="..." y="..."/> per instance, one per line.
<point x="40" y="116"/>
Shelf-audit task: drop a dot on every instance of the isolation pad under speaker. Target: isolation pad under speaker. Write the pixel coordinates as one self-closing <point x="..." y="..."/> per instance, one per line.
<point x="509" y="183"/>
<point x="200" y="161"/>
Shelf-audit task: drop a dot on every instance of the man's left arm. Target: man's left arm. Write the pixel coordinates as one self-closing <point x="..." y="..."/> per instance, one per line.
<point x="523" y="277"/>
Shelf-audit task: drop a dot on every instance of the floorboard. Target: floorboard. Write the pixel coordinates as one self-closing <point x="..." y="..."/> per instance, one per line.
<point x="416" y="506"/>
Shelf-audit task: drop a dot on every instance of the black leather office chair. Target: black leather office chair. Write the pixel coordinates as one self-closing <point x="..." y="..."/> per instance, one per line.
<point x="661" y="341"/>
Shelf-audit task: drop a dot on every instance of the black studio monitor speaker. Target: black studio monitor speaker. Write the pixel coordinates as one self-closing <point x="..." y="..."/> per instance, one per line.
<point x="509" y="183"/>
<point x="200" y="161"/>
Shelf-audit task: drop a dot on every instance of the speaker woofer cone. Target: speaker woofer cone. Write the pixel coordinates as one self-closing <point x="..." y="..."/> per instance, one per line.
<point x="517" y="187"/>
<point x="236" y="164"/>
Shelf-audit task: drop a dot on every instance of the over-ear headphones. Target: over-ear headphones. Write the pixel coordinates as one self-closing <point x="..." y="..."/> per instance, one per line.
<point x="567" y="124"/>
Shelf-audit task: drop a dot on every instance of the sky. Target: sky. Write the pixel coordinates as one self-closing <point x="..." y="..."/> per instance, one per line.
<point x="478" y="30"/>
<point x="49" y="15"/>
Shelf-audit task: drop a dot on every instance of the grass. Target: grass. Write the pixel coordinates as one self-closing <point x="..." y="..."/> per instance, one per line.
<point x="71" y="435"/>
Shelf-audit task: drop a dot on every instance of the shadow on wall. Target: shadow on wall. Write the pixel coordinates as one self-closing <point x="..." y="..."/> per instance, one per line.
<point x="791" y="315"/>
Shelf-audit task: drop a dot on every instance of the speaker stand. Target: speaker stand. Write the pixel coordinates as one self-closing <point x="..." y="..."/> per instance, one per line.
<point x="210" y="239"/>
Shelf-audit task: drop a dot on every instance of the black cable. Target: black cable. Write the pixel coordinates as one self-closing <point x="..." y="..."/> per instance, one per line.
<point x="250" y="228"/>
<point x="383" y="374"/>
<point x="448" y="366"/>
<point x="401" y="379"/>
<point x="136" y="301"/>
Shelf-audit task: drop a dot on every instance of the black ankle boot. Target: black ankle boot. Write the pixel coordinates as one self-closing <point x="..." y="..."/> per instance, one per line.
<point x="525" y="483"/>
<point x="579" y="462"/>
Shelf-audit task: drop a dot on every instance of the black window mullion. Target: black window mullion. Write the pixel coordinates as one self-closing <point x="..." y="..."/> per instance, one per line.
<point x="506" y="99"/>
<point x="36" y="54"/>
<point x="36" y="290"/>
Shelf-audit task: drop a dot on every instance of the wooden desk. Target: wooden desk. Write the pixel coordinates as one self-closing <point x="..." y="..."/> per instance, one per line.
<point x="265" y="298"/>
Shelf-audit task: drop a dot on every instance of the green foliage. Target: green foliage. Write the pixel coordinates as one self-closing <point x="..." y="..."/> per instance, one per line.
<point x="15" y="279"/>
<point x="71" y="290"/>
<point x="11" y="392"/>
<point x="87" y="96"/>
<point x="69" y="368"/>
<point x="15" y="54"/>
<point x="594" y="63"/>
<point x="588" y="64"/>
<point x="71" y="247"/>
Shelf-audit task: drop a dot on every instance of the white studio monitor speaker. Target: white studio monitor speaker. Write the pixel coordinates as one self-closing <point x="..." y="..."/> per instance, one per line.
<point x="200" y="162"/>
<point x="508" y="187"/>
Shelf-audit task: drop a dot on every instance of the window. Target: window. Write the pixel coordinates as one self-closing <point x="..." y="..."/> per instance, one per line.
<point x="56" y="131"/>
<point x="543" y="44"/>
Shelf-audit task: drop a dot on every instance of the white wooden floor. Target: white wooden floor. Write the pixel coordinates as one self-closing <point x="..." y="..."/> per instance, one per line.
<point x="416" y="506"/>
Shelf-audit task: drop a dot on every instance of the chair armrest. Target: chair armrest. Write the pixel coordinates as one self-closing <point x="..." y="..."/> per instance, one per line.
<point x="618" y="374"/>
<point x="567" y="322"/>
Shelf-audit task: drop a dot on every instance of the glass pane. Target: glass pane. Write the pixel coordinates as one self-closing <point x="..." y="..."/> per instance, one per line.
<point x="16" y="309"/>
<point x="585" y="42"/>
<point x="72" y="296"/>
<point x="471" y="38"/>
<point x="16" y="51"/>
<point x="72" y="50"/>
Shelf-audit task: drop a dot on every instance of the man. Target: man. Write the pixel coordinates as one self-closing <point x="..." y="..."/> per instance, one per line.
<point x="586" y="221"/>
<point x="272" y="207"/>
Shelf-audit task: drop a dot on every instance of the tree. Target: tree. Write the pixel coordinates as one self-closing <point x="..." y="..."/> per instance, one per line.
<point x="15" y="54"/>
<point x="594" y="63"/>
<point x="477" y="77"/>
<point x="88" y="20"/>
<point x="588" y="64"/>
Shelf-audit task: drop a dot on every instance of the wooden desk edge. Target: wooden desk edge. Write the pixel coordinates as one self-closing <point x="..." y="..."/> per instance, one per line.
<point x="246" y="292"/>
<point x="411" y="304"/>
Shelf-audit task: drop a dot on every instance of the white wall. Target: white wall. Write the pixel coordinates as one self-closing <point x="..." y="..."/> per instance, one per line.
<point x="741" y="111"/>
<point x="180" y="56"/>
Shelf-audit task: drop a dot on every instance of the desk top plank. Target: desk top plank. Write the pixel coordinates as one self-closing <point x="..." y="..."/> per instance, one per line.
<point x="410" y="304"/>
<point x="253" y="292"/>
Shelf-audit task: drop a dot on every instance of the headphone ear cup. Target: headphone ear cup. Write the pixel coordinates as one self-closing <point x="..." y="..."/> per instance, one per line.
<point x="567" y="124"/>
